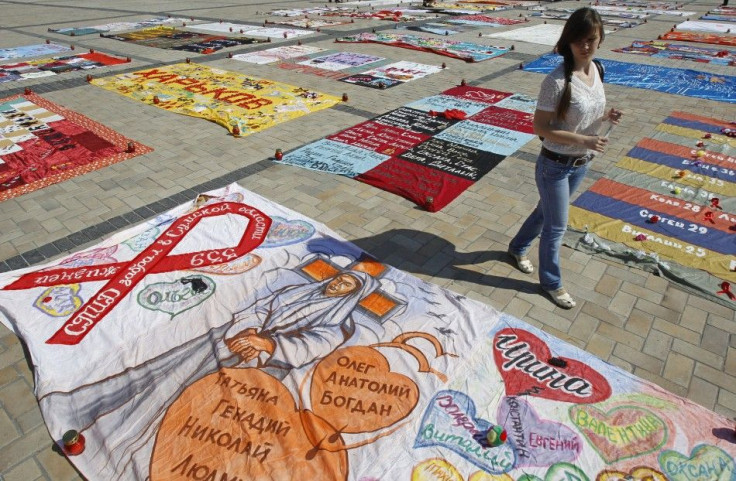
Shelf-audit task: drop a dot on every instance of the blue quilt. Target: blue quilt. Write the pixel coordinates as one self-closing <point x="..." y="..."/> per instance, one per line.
<point x="678" y="81"/>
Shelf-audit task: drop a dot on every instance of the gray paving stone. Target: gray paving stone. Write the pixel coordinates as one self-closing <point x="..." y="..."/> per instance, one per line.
<point x="730" y="367"/>
<point x="703" y="392"/>
<point x="29" y="420"/>
<point x="48" y="250"/>
<point x="678" y="368"/>
<point x="625" y="365"/>
<point x="11" y="354"/>
<point x="600" y="346"/>
<point x="15" y="452"/>
<point x="583" y="327"/>
<point x="8" y="428"/>
<point x="64" y="244"/>
<point x="640" y="323"/>
<point x="698" y="353"/>
<point x="676" y="331"/>
<point x="657" y="379"/>
<point x="693" y="319"/>
<point x="622" y="303"/>
<point x="714" y="376"/>
<point x="28" y="469"/>
<point x="17" y="399"/>
<point x="715" y="340"/>
<point x="518" y="308"/>
<point x="658" y="311"/>
<point x="17" y="262"/>
<point x="725" y="324"/>
<point x="675" y="299"/>
<point x="627" y="274"/>
<point x="727" y="399"/>
<point x="603" y="314"/>
<point x="638" y="358"/>
<point x="608" y="285"/>
<point x="620" y="336"/>
<point x="7" y="374"/>
<point x="550" y="319"/>
<point x="657" y="344"/>
<point x="710" y="306"/>
<point x="55" y="465"/>
<point x="725" y="412"/>
<point x="644" y="292"/>
<point x="33" y="257"/>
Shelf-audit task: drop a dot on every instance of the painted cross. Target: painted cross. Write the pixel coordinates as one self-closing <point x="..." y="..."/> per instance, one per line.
<point x="378" y="304"/>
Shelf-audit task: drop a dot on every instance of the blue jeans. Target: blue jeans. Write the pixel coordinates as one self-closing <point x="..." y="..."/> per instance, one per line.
<point x="556" y="183"/>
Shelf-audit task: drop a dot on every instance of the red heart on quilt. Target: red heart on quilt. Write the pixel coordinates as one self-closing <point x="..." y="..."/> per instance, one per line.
<point x="523" y="360"/>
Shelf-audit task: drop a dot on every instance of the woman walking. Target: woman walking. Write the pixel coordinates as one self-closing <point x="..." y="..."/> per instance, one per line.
<point x="570" y="112"/>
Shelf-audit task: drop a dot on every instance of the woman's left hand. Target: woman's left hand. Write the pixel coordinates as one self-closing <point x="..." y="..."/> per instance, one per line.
<point x="614" y="116"/>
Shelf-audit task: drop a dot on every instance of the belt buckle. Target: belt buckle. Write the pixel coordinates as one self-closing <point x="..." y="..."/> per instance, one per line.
<point x="580" y="161"/>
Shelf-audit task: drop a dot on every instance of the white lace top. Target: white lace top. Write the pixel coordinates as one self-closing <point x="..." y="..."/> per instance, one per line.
<point x="587" y="105"/>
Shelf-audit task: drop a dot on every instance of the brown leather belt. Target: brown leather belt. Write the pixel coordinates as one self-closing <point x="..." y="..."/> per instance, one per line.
<point x="572" y="160"/>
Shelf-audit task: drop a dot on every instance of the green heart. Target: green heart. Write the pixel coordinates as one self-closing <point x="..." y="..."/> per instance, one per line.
<point x="529" y="477"/>
<point x="175" y="297"/>
<point x="565" y="472"/>
<point x="706" y="462"/>
<point x="620" y="433"/>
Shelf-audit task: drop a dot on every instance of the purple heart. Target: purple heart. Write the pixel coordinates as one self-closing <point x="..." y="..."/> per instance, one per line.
<point x="537" y="442"/>
<point x="450" y="422"/>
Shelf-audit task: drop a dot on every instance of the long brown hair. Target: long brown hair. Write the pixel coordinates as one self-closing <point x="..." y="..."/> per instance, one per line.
<point x="581" y="23"/>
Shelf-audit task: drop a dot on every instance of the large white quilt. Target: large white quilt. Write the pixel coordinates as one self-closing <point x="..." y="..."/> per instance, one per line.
<point x="234" y="339"/>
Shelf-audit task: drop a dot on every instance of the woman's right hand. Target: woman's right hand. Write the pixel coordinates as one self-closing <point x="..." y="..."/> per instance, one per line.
<point x="596" y="142"/>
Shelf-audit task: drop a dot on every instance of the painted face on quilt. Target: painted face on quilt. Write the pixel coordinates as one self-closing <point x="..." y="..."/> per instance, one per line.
<point x="341" y="285"/>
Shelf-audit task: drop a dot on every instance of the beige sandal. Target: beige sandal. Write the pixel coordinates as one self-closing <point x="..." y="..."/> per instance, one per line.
<point x="522" y="263"/>
<point x="562" y="298"/>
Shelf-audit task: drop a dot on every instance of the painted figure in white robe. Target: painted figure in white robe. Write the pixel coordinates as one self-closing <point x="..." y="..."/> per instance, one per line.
<point x="289" y="328"/>
<point x="301" y="323"/>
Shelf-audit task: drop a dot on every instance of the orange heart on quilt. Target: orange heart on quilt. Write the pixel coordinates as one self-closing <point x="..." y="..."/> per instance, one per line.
<point x="244" y="424"/>
<point x="355" y="389"/>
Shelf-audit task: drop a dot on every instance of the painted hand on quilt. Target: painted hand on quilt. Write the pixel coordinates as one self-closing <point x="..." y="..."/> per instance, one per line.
<point x="248" y="345"/>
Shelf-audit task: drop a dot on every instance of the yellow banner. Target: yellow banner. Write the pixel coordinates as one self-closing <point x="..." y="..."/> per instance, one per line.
<point x="691" y="179"/>
<point x="148" y="33"/>
<point x="683" y="253"/>
<point x="696" y="134"/>
<point x="241" y="104"/>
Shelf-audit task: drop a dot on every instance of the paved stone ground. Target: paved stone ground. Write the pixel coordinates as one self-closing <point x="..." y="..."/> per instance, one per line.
<point x="630" y="318"/>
